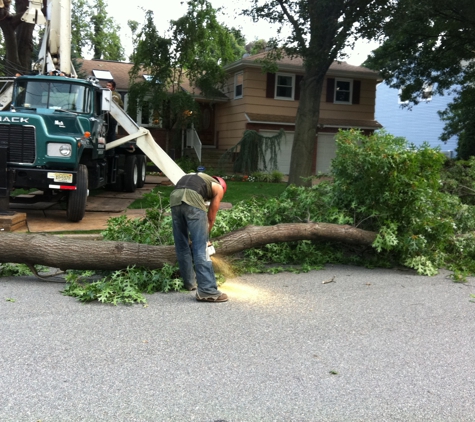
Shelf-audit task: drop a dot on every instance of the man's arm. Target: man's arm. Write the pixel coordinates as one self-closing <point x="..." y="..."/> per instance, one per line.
<point x="218" y="194"/>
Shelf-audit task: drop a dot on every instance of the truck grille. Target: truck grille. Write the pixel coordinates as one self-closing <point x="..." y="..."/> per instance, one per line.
<point x="21" y="141"/>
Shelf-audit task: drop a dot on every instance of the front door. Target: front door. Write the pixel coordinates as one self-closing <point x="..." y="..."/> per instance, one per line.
<point x="206" y="128"/>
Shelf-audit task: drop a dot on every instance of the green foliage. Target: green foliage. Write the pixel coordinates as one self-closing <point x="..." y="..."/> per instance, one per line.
<point x="254" y="151"/>
<point x="459" y="118"/>
<point x="203" y="46"/>
<point x="380" y="183"/>
<point x="154" y="229"/>
<point x="271" y="177"/>
<point x="92" y="30"/>
<point x="122" y="287"/>
<point x="188" y="164"/>
<point x="13" y="270"/>
<point x="458" y="178"/>
<point x="395" y="189"/>
<point x="190" y="55"/>
<point x="431" y="43"/>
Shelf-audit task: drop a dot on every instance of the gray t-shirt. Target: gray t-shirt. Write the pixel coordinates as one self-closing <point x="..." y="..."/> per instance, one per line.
<point x="192" y="197"/>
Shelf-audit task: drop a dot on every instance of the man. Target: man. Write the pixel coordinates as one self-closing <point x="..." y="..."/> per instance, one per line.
<point x="192" y="220"/>
<point x="112" y="123"/>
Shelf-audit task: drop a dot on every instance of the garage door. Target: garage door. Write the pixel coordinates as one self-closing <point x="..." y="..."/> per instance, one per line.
<point x="283" y="160"/>
<point x="326" y="151"/>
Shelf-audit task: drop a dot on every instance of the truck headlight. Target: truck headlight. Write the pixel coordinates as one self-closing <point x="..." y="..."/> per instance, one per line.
<point x="59" y="150"/>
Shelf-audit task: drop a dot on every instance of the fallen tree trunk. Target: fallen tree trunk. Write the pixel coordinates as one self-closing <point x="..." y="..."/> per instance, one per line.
<point x="73" y="254"/>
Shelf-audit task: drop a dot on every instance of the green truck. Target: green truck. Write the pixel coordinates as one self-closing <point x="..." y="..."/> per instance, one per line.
<point x="53" y="138"/>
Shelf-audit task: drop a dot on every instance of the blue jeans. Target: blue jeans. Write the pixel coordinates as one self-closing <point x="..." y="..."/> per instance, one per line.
<point x="191" y="222"/>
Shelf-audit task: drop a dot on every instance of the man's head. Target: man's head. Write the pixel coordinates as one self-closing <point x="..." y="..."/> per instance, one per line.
<point x="221" y="182"/>
<point x="111" y="85"/>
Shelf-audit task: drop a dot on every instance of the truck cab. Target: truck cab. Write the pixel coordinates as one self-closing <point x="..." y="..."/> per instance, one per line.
<point x="55" y="140"/>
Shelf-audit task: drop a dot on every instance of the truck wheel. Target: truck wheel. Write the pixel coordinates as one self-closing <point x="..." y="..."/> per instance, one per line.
<point x="131" y="173"/>
<point x="77" y="198"/>
<point x="142" y="166"/>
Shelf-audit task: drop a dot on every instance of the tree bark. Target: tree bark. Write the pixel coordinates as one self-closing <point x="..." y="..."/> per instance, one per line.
<point x="74" y="254"/>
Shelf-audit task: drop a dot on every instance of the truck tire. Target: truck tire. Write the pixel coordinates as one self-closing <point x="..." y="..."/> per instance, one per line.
<point x="142" y="166"/>
<point x="131" y="173"/>
<point x="77" y="199"/>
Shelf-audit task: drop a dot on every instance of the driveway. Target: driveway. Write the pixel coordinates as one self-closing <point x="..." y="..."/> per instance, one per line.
<point x="372" y="345"/>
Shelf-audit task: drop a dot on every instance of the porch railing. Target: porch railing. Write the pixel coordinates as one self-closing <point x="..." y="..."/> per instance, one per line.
<point x="193" y="141"/>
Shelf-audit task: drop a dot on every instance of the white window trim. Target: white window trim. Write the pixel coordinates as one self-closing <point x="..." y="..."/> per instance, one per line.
<point x="236" y="75"/>
<point x="146" y="124"/>
<point x="293" y="86"/>
<point x="350" y="102"/>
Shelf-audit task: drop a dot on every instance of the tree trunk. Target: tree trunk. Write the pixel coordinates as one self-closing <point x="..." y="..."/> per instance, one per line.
<point x="303" y="148"/>
<point x="67" y="253"/>
<point x="18" y="38"/>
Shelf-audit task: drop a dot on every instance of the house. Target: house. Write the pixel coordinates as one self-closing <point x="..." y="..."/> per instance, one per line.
<point x="417" y="124"/>
<point x="267" y="102"/>
<point x="106" y="70"/>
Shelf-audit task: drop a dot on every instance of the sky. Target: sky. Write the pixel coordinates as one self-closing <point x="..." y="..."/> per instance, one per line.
<point x="164" y="11"/>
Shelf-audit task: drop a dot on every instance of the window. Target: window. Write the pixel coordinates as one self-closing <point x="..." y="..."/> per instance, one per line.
<point x="284" y="86"/>
<point x="343" y="91"/>
<point x="238" y="80"/>
<point x="146" y="116"/>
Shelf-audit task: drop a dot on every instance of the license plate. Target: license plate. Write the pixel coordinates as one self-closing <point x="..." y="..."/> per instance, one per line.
<point x="61" y="177"/>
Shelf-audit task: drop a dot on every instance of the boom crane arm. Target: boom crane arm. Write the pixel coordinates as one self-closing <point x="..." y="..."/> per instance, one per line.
<point x="55" y="51"/>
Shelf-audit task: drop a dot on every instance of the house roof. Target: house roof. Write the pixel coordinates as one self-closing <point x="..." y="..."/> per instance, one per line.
<point x="119" y="70"/>
<point x="120" y="73"/>
<point x="295" y="64"/>
<point x="322" y="122"/>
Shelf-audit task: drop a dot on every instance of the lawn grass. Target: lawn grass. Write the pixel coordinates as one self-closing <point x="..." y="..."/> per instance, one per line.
<point x="236" y="192"/>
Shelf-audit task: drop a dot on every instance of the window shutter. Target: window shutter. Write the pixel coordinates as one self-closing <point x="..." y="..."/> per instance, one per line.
<point x="330" y="90"/>
<point x="356" y="92"/>
<point x="298" y="80"/>
<point x="270" y="89"/>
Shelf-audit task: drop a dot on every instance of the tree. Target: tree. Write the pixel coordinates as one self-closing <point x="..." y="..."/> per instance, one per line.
<point x="92" y="30"/>
<point x="432" y="43"/>
<point x="18" y="37"/>
<point x="105" y="39"/>
<point x="195" y="49"/>
<point x="66" y="253"/>
<point x="319" y="31"/>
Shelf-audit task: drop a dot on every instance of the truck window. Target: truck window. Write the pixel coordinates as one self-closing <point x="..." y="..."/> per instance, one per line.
<point x="53" y="95"/>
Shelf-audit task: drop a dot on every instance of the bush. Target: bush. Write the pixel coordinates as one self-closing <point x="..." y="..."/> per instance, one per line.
<point x="394" y="188"/>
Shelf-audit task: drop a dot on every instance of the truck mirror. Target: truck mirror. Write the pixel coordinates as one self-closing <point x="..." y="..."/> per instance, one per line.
<point x="106" y="99"/>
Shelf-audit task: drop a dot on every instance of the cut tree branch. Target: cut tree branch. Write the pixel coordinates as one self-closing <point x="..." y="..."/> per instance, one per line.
<point x="74" y="254"/>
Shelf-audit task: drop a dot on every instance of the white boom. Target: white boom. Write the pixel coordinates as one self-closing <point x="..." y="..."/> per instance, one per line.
<point x="146" y="143"/>
<point x="55" y="50"/>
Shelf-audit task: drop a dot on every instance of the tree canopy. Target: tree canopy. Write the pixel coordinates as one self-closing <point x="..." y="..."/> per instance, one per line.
<point x="93" y="31"/>
<point x="431" y="43"/>
<point x="193" y="50"/>
<point x="319" y="30"/>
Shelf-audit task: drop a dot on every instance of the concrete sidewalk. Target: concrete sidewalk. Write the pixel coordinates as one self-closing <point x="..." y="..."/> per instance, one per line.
<point x="372" y="345"/>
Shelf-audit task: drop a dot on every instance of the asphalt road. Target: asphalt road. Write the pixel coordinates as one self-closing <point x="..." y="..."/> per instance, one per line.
<point x="373" y="345"/>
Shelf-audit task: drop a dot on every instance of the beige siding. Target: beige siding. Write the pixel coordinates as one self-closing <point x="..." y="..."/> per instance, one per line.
<point x="231" y="116"/>
<point x="362" y="111"/>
